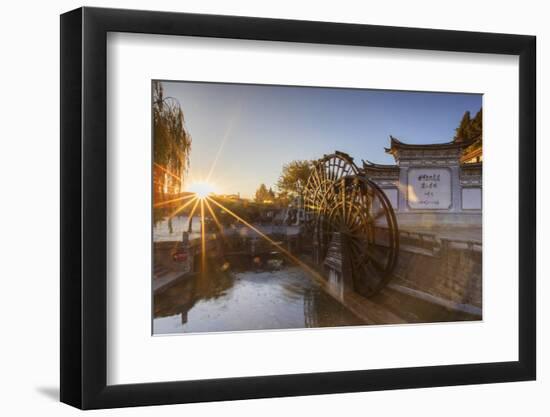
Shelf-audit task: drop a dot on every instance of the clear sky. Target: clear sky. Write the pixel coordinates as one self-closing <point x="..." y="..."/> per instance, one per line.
<point x="245" y="133"/>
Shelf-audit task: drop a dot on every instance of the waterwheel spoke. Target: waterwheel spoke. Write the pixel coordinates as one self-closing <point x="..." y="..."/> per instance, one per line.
<point x="338" y="199"/>
<point x="352" y="203"/>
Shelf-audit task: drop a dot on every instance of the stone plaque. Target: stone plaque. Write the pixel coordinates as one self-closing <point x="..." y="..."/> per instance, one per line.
<point x="429" y="188"/>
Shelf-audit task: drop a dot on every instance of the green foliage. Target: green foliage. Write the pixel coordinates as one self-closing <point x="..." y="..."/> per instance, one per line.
<point x="470" y="129"/>
<point x="462" y="129"/>
<point x="246" y="210"/>
<point x="262" y="194"/>
<point x="282" y="199"/>
<point x="476" y="125"/>
<point x="172" y="142"/>
<point x="294" y="178"/>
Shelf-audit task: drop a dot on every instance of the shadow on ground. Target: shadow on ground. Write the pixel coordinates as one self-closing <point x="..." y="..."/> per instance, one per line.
<point x="50" y="392"/>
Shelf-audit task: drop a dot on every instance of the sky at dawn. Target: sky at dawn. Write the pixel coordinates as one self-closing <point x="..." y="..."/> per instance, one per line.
<point x="243" y="134"/>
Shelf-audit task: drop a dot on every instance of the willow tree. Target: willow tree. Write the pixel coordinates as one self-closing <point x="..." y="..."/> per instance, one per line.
<point x="172" y="144"/>
<point x="171" y="149"/>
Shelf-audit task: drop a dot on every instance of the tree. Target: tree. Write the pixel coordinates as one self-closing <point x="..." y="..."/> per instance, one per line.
<point x="462" y="131"/>
<point x="271" y="194"/>
<point x="262" y="194"/>
<point x="476" y="125"/>
<point x="282" y="199"/>
<point x="470" y="129"/>
<point x="294" y="177"/>
<point x="171" y="143"/>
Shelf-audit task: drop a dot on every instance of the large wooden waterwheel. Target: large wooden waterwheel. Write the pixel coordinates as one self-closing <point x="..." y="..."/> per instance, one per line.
<point x="326" y="171"/>
<point x="342" y="204"/>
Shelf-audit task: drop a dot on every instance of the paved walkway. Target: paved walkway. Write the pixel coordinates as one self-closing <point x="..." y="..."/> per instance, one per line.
<point x="458" y="233"/>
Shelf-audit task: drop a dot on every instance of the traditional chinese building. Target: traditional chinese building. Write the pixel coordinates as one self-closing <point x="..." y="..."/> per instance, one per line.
<point x="432" y="185"/>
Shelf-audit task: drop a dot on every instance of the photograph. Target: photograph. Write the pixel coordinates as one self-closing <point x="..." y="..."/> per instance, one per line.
<point x="293" y="207"/>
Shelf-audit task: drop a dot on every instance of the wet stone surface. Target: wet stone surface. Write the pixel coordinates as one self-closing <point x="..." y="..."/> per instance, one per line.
<point x="247" y="299"/>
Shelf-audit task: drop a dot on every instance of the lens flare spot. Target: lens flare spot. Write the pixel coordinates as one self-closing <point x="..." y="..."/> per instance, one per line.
<point x="202" y="189"/>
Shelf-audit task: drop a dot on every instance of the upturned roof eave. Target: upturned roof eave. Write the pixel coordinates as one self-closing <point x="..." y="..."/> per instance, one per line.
<point x="371" y="165"/>
<point x="396" y="144"/>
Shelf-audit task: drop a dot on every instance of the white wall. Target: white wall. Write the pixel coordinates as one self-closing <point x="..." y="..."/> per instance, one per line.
<point x="471" y="198"/>
<point x="29" y="159"/>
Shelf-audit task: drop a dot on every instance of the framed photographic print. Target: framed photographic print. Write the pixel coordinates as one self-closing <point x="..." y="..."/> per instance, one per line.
<point x="257" y="208"/>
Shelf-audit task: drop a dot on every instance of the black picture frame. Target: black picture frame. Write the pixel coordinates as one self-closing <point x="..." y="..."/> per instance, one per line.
<point x="84" y="207"/>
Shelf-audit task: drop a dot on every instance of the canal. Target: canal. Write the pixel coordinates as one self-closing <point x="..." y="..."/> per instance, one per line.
<point x="250" y="298"/>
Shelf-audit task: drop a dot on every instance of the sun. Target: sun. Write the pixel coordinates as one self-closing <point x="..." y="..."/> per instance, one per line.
<point x="202" y="189"/>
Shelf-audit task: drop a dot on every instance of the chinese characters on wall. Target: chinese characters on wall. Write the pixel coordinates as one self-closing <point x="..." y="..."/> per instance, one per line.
<point x="429" y="188"/>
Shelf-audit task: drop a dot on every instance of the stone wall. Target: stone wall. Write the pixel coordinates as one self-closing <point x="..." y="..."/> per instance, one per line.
<point x="451" y="270"/>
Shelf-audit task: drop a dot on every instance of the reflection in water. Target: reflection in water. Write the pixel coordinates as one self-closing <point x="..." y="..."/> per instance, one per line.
<point x="248" y="300"/>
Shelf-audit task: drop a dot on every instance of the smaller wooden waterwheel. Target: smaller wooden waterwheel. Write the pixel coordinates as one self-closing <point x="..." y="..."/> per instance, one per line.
<point x="349" y="207"/>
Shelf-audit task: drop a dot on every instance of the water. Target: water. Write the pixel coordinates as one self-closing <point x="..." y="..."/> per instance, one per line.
<point x="248" y="300"/>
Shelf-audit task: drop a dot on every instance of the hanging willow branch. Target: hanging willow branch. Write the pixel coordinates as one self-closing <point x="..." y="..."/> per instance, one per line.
<point x="172" y="144"/>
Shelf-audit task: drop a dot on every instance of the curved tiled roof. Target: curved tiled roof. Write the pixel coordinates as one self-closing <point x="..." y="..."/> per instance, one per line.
<point x="396" y="144"/>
